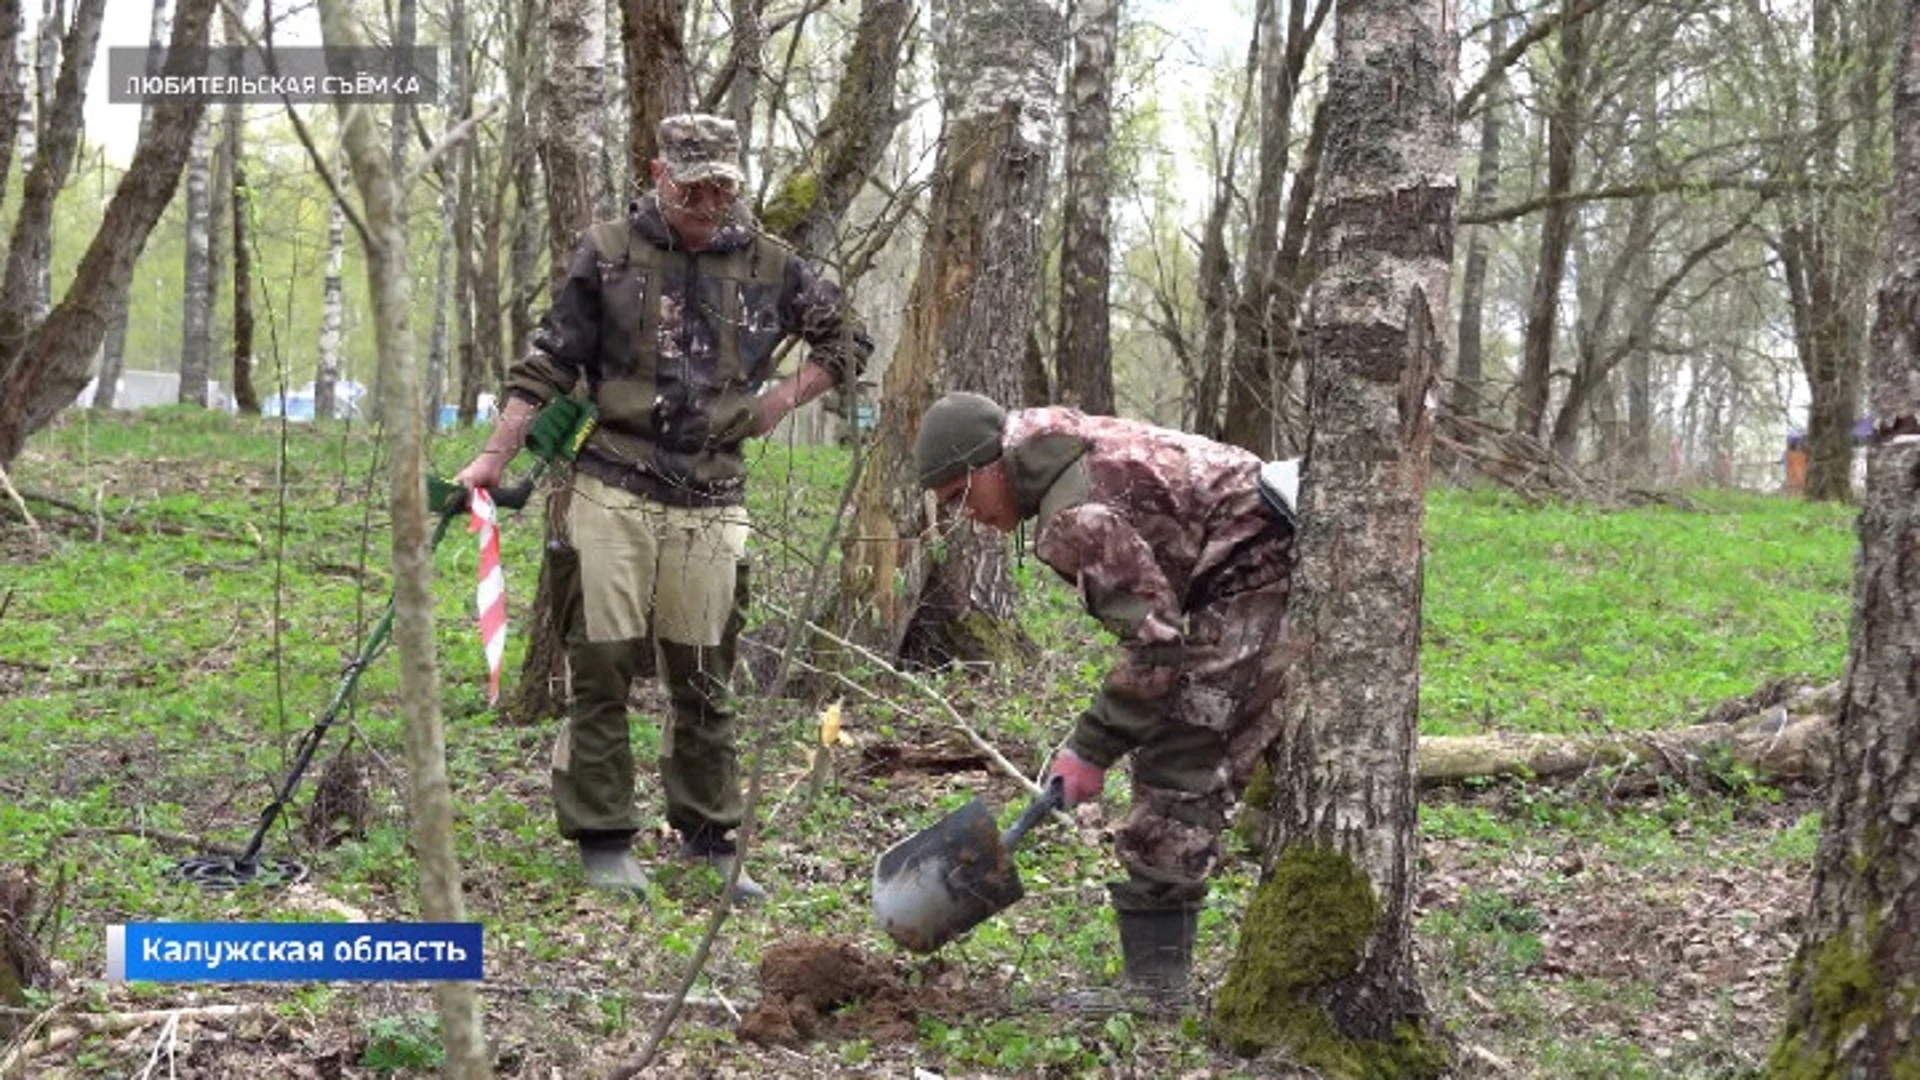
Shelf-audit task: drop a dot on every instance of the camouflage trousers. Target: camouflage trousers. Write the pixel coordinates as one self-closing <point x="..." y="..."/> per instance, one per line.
<point x="1221" y="695"/>
<point x="673" y="582"/>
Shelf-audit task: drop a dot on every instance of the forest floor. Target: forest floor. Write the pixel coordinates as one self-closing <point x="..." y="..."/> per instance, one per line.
<point x="161" y="654"/>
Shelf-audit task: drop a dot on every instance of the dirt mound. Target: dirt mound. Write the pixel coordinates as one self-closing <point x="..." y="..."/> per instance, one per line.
<point x="830" y="988"/>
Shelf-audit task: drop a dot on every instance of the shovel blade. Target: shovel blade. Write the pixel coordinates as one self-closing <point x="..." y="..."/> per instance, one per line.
<point x="944" y="880"/>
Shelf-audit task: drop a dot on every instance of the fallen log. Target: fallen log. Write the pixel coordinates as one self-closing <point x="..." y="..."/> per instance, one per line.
<point x="77" y="1026"/>
<point x="1791" y="740"/>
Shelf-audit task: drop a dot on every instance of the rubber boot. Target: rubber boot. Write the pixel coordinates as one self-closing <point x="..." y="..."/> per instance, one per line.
<point x="1156" y="949"/>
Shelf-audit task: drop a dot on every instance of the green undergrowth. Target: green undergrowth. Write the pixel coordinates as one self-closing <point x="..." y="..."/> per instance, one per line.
<point x="154" y="683"/>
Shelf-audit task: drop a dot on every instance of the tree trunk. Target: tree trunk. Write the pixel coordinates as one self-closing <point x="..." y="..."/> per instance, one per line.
<point x="30" y="253"/>
<point x="327" y="376"/>
<point x="489" y="368"/>
<point x="524" y="128"/>
<point x="653" y="40"/>
<point x="219" y="198"/>
<point x="1556" y="228"/>
<point x="1827" y="247"/>
<point x="1326" y="946"/>
<point x="576" y="51"/>
<point x="1249" y="419"/>
<point x="1216" y="293"/>
<point x="1853" y="989"/>
<point x="113" y="352"/>
<point x="463" y="161"/>
<point x="406" y="27"/>
<point x="1469" y="379"/>
<point x="196" y="308"/>
<point x="572" y="145"/>
<point x="430" y="798"/>
<point x="749" y="38"/>
<point x="43" y="366"/>
<point x="26" y="124"/>
<point x="616" y="184"/>
<point x="1083" y="352"/>
<point x="970" y="309"/>
<point x="1773" y="745"/>
<point x="435" y="386"/>
<point x="13" y="97"/>
<point x="245" y="398"/>
<point x="807" y="207"/>
<point x="46" y="60"/>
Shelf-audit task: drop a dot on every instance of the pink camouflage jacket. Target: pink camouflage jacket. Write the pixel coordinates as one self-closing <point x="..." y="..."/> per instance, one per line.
<point x="1150" y="524"/>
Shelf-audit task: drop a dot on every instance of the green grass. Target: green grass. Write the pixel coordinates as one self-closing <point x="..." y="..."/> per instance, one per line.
<point x="1568" y="618"/>
<point x="158" y="680"/>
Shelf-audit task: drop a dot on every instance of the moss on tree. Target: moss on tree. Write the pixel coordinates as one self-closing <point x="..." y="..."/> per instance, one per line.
<point x="1304" y="930"/>
<point x="1845" y="997"/>
<point x="791" y="204"/>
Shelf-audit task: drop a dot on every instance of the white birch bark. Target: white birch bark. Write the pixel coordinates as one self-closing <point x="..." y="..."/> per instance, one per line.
<point x="326" y="377"/>
<point x="196" y="318"/>
<point x="1344" y="767"/>
<point x="1853" y="1006"/>
<point x="1082" y="355"/>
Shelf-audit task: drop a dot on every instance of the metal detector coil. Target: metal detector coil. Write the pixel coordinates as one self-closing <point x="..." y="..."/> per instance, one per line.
<point x="223" y="872"/>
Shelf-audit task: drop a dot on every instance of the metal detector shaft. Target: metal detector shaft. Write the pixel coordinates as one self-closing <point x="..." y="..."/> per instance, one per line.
<point x="512" y="498"/>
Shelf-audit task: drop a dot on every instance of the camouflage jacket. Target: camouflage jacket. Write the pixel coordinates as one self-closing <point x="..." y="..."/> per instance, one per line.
<point x="1150" y="525"/>
<point x="674" y="345"/>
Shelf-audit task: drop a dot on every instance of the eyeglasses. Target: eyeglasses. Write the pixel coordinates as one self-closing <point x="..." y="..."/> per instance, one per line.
<point x="706" y="192"/>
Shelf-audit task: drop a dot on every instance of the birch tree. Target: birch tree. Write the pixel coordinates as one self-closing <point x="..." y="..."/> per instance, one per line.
<point x="13" y="95"/>
<point x="326" y="376"/>
<point x="196" y="300"/>
<point x="968" y="319"/>
<point x="1324" y="969"/>
<point x="1083" y="350"/>
<point x="46" y="62"/>
<point x="1853" y="990"/>
<point x="383" y="233"/>
<point x="44" y="363"/>
<point x="573" y="145"/>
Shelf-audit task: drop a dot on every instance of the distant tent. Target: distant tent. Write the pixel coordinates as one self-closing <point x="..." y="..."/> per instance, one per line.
<point x="146" y="389"/>
<point x="349" y="398"/>
<point x="449" y="415"/>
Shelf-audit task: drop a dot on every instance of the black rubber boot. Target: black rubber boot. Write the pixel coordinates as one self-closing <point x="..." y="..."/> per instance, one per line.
<point x="1156" y="948"/>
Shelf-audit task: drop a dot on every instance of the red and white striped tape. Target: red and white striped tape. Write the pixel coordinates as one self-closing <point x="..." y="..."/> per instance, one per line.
<point x="492" y="594"/>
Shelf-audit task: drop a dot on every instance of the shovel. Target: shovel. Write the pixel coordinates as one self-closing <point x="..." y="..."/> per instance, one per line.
<point x="953" y="875"/>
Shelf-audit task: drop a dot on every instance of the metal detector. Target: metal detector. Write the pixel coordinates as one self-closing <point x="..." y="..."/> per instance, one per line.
<point x="223" y="872"/>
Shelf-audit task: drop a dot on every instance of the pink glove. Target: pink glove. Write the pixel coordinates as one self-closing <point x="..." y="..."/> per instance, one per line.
<point x="1080" y="780"/>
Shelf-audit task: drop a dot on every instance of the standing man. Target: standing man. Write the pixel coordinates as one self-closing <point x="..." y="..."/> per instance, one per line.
<point x="1173" y="547"/>
<point x="671" y="316"/>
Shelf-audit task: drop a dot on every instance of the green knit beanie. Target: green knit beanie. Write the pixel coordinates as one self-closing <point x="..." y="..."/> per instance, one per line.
<point x="961" y="431"/>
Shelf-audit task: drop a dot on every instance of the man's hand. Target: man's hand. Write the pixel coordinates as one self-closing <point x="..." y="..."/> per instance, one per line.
<point x="1080" y="780"/>
<point x="788" y="394"/>
<point x="486" y="469"/>
<point x="483" y="471"/>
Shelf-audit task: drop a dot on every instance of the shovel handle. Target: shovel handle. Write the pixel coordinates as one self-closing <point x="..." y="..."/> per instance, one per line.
<point x="1050" y="799"/>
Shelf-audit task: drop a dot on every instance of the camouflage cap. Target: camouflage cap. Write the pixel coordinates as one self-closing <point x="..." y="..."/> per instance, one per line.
<point x="699" y="146"/>
<point x="961" y="431"/>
